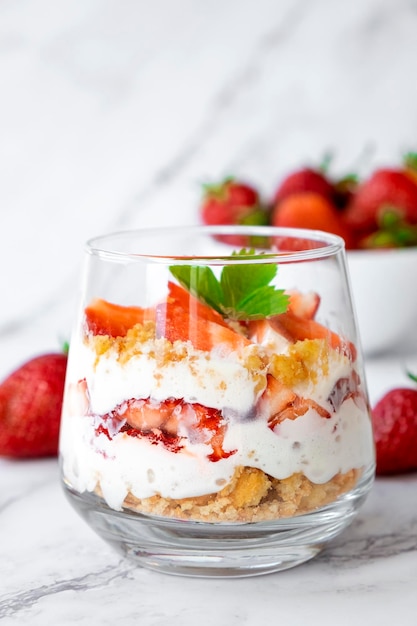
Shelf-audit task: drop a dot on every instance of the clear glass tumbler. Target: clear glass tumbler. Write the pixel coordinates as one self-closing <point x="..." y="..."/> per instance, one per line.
<point x="215" y="418"/>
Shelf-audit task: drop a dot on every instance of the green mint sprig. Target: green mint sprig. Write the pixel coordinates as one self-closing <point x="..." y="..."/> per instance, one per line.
<point x="243" y="291"/>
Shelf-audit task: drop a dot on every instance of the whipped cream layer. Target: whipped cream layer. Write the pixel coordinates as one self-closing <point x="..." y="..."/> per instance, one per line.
<point x="195" y="376"/>
<point x="318" y="447"/>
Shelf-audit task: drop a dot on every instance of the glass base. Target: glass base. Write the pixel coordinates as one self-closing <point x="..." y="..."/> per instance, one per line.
<point x="235" y="550"/>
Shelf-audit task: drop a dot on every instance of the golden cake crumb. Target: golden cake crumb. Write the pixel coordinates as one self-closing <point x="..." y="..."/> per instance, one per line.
<point x="306" y="361"/>
<point x="248" y="487"/>
<point x="251" y="496"/>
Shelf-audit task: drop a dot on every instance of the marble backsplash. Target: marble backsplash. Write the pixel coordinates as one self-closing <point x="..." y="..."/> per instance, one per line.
<point x="113" y="113"/>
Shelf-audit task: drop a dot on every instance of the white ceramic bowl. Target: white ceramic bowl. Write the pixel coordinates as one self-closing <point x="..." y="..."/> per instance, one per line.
<point x="384" y="289"/>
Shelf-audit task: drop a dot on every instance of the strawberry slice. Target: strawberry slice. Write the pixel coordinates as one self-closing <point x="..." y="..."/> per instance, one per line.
<point x="159" y="422"/>
<point x="184" y="318"/>
<point x="275" y="398"/>
<point x="280" y="403"/>
<point x="177" y="324"/>
<point x="211" y="425"/>
<point x="286" y="244"/>
<point x="304" y="304"/>
<point x="300" y="329"/>
<point x="106" y="318"/>
<point x="145" y="414"/>
<point x="275" y="338"/>
<point x="183" y="298"/>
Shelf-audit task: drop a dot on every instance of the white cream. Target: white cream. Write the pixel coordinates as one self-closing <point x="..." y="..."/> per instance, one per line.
<point x="211" y="380"/>
<point x="318" y="447"/>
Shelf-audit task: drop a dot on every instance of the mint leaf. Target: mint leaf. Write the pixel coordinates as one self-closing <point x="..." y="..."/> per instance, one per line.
<point x="243" y="291"/>
<point x="239" y="280"/>
<point x="263" y="302"/>
<point x="201" y="283"/>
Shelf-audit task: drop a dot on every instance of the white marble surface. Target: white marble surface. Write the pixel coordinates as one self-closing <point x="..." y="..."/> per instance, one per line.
<point x="111" y="115"/>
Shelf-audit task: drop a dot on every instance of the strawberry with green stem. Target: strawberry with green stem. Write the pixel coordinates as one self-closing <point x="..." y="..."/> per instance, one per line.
<point x="395" y="431"/>
<point x="30" y="407"/>
<point x="317" y="180"/>
<point x="306" y="179"/>
<point x="232" y="202"/>
<point x="385" y="191"/>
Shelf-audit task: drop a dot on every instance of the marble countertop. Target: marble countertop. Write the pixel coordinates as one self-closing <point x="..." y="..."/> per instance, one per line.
<point x="55" y="570"/>
<point x="112" y="114"/>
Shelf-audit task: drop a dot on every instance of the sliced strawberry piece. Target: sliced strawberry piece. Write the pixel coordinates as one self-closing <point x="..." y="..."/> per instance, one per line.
<point x="301" y="329"/>
<point x="295" y="244"/>
<point x="143" y="417"/>
<point x="279" y="403"/>
<point x="160" y="422"/>
<point x="180" y="296"/>
<point x="172" y="443"/>
<point x="304" y="304"/>
<point x="211" y="425"/>
<point x="262" y="332"/>
<point x="295" y="409"/>
<point x="105" y="318"/>
<point x="78" y="398"/>
<point x="145" y="414"/>
<point x="345" y="388"/>
<point x="275" y="398"/>
<point x="178" y="324"/>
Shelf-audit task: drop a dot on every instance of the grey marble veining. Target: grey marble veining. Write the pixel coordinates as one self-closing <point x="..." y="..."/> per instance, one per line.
<point x="114" y="114"/>
<point x="111" y="116"/>
<point x="60" y="569"/>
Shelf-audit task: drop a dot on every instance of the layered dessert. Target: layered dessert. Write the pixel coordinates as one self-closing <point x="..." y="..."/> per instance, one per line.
<point x="202" y="408"/>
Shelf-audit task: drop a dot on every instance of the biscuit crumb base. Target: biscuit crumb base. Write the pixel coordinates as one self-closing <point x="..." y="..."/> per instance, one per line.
<point x="251" y="496"/>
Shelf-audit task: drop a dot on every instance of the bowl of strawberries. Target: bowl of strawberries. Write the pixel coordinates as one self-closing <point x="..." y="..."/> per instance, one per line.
<point x="377" y="218"/>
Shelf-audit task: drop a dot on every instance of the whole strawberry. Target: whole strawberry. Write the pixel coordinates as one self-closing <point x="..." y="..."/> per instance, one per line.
<point x="386" y="190"/>
<point x="30" y="407"/>
<point x="395" y="430"/>
<point x="312" y="211"/>
<point x="302" y="180"/>
<point x="232" y="202"/>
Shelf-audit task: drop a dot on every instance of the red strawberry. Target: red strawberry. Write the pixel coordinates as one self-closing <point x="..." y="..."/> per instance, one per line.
<point x="295" y="244"/>
<point x="176" y="323"/>
<point x="303" y="304"/>
<point x="306" y="179"/>
<point x="30" y="407"/>
<point x="232" y="202"/>
<point x="386" y="190"/>
<point x="299" y="329"/>
<point x="106" y="318"/>
<point x="395" y="431"/>
<point x="312" y="211"/>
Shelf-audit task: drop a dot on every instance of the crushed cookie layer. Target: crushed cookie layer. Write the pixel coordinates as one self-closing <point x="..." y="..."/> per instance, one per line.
<point x="251" y="496"/>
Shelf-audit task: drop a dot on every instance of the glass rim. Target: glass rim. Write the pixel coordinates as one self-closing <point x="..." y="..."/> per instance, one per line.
<point x="324" y="244"/>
